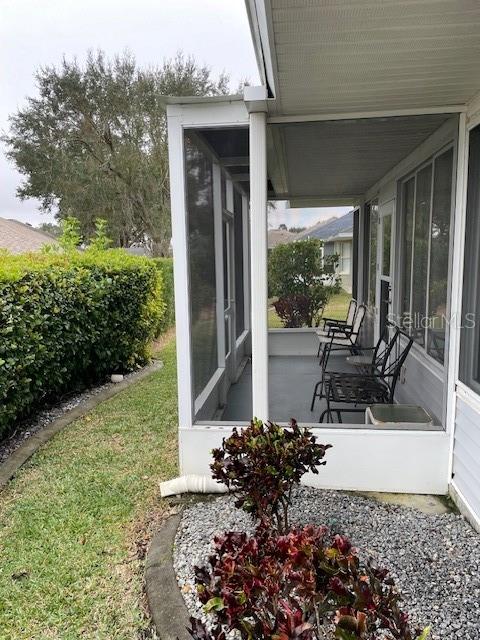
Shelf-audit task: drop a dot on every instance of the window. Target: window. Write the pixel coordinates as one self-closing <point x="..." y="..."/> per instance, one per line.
<point x="239" y="268"/>
<point x="372" y="268"/>
<point x="343" y="249"/>
<point x="470" y="338"/>
<point x="386" y="244"/>
<point x="426" y="208"/>
<point x="201" y="248"/>
<point x="356" y="226"/>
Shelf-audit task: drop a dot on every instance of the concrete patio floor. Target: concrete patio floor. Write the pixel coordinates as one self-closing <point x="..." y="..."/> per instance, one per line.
<point x="291" y="383"/>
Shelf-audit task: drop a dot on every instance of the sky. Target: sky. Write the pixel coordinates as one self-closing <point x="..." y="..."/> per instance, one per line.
<point x="306" y="217"/>
<point x="35" y="33"/>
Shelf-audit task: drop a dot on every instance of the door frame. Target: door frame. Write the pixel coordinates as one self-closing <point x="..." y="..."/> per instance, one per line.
<point x="229" y="301"/>
<point x="385" y="209"/>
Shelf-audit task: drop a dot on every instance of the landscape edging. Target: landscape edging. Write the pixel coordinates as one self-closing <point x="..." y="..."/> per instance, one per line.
<point x="12" y="464"/>
<point x="167" y="606"/>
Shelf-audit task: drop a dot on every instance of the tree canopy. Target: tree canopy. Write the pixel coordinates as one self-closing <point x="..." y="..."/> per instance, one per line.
<point x="303" y="280"/>
<point x="93" y="143"/>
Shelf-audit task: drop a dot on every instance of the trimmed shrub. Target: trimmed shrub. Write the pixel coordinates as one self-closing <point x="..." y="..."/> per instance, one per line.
<point x="67" y="320"/>
<point x="165" y="266"/>
<point x="305" y="585"/>
<point x="302" y="280"/>
<point x="262" y="463"/>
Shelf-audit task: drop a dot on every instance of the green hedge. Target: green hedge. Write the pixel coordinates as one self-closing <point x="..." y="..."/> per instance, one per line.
<point x="69" y="320"/>
<point x="165" y="266"/>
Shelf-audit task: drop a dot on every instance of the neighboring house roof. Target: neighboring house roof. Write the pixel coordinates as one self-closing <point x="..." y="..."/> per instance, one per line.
<point x="138" y="250"/>
<point x="18" y="237"/>
<point x="336" y="229"/>
<point x="280" y="236"/>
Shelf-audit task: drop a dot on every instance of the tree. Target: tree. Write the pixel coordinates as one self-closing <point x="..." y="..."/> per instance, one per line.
<point x="93" y="144"/>
<point x="297" y="229"/>
<point x="302" y="280"/>
<point x="50" y="228"/>
<point x="100" y="240"/>
<point x="70" y="238"/>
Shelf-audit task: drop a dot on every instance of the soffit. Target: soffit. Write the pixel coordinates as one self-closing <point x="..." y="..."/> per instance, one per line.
<point x="339" y="56"/>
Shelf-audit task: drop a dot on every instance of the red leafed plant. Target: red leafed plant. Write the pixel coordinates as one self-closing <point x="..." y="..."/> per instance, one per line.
<point x="304" y="585"/>
<point x="295" y="310"/>
<point x="262" y="463"/>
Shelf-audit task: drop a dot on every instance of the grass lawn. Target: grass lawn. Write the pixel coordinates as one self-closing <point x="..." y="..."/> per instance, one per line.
<point x="336" y="308"/>
<point x="75" y="521"/>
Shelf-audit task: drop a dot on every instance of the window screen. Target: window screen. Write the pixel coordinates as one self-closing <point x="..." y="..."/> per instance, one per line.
<point x="426" y="211"/>
<point x="420" y="252"/>
<point x="470" y="339"/>
<point x="439" y="253"/>
<point x="239" y="267"/>
<point x="201" y="247"/>
<point x="372" y="279"/>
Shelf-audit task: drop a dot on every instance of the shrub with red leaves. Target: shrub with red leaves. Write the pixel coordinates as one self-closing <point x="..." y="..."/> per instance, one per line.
<point x="303" y="585"/>
<point x="297" y="310"/>
<point x="262" y="463"/>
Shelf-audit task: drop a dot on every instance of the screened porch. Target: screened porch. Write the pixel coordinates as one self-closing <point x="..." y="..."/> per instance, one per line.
<point x="397" y="174"/>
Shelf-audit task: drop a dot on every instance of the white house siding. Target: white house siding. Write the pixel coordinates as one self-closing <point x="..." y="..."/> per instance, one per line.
<point x="465" y="481"/>
<point x="466" y="453"/>
<point x="422" y="383"/>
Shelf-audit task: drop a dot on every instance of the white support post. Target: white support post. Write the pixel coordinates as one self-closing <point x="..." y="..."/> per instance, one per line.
<point x="456" y="282"/>
<point x="258" y="258"/>
<point x="181" y="271"/>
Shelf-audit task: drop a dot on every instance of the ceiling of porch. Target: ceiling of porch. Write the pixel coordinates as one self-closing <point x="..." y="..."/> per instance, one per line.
<point x="324" y="163"/>
<point x="335" y="162"/>
<point x="340" y="56"/>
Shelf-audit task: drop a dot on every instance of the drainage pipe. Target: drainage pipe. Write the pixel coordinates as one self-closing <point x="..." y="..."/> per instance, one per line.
<point x="191" y="484"/>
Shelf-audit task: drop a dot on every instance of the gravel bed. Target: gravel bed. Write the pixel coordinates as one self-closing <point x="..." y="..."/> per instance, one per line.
<point x="435" y="559"/>
<point x="42" y="418"/>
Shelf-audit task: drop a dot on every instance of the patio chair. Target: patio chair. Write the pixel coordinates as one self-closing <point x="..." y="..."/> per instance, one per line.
<point x="368" y="362"/>
<point x="334" y="322"/>
<point x="361" y="390"/>
<point x="341" y="337"/>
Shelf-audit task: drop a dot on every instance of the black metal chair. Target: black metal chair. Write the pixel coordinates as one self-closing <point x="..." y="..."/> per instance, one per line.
<point x="334" y="322"/>
<point x="365" y="364"/>
<point x="341" y="338"/>
<point x="361" y="390"/>
<point x="370" y="360"/>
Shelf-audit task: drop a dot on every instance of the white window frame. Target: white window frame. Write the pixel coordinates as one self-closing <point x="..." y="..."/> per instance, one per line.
<point x="419" y="349"/>
<point x="340" y="250"/>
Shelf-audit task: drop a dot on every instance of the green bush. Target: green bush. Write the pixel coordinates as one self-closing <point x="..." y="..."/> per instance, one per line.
<point x="302" y="280"/>
<point x="165" y="266"/>
<point x="68" y="320"/>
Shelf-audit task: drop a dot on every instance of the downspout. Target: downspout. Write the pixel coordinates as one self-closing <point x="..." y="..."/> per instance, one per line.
<point x="191" y="484"/>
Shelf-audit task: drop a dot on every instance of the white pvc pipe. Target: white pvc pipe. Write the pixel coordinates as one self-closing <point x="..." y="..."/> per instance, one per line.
<point x="191" y="484"/>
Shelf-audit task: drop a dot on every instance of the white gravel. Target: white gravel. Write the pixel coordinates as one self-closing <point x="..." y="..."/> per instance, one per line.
<point x="43" y="417"/>
<point x="435" y="559"/>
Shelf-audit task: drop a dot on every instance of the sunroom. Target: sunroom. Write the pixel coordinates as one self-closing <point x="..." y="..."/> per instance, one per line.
<point x="398" y="172"/>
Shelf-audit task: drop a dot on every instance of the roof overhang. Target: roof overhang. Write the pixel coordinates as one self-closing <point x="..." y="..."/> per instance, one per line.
<point x="337" y="57"/>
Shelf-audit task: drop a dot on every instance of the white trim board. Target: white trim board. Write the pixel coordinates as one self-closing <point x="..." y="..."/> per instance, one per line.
<point x="463" y="506"/>
<point x="360" y="115"/>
